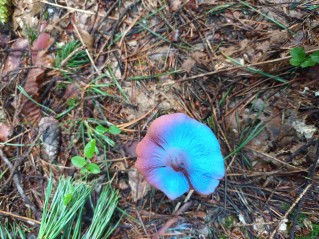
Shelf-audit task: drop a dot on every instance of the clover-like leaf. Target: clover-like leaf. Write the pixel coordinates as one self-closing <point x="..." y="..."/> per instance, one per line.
<point x="315" y="56"/>
<point x="308" y="62"/>
<point x="298" y="53"/>
<point x="100" y="129"/>
<point x="93" y="168"/>
<point x="78" y="161"/>
<point x="295" y="62"/>
<point x="89" y="149"/>
<point x="84" y="171"/>
<point x="114" y="130"/>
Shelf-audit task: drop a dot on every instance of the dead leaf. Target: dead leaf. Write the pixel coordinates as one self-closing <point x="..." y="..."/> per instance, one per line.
<point x="174" y="5"/>
<point x="72" y="91"/>
<point x="278" y="37"/>
<point x="5" y="132"/>
<point x="87" y="39"/>
<point x="264" y="46"/>
<point x="199" y="57"/>
<point x="139" y="185"/>
<point x="35" y="77"/>
<point x="243" y="44"/>
<point x="188" y="65"/>
<point x="13" y="61"/>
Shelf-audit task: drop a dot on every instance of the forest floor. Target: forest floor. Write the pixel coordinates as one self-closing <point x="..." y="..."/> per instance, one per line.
<point x="79" y="70"/>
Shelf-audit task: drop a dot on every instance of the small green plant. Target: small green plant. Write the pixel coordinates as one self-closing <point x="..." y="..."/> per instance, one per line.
<point x="300" y="58"/>
<point x="64" y="211"/>
<point x="84" y="162"/>
<point x="30" y="32"/>
<point x="12" y="230"/>
<point x="98" y="131"/>
<point x="73" y="102"/>
<point x="305" y="224"/>
<point x="72" y="54"/>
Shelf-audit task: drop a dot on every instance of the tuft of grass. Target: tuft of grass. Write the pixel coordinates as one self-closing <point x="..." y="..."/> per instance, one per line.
<point x="30" y="32"/>
<point x="73" y="54"/>
<point x="68" y="199"/>
<point x="11" y="231"/>
<point x="103" y="213"/>
<point x="63" y="216"/>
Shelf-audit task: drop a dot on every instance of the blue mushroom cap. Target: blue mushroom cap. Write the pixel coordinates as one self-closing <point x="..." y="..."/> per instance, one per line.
<point x="179" y="153"/>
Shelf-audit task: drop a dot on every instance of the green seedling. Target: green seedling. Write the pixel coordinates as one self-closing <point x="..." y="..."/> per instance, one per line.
<point x="300" y="58"/>
<point x="84" y="162"/>
<point x="12" y="230"/>
<point x="98" y="132"/>
<point x="73" y="102"/>
<point x="71" y="55"/>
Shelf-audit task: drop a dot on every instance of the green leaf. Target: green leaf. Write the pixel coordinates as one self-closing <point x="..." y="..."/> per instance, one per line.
<point x="295" y="62"/>
<point x="67" y="198"/>
<point x="298" y="53"/>
<point x="93" y="168"/>
<point x="100" y="129"/>
<point x="308" y="62"/>
<point x="90" y="148"/>
<point x="84" y="171"/>
<point x="114" y="130"/>
<point x="78" y="161"/>
<point x="315" y="56"/>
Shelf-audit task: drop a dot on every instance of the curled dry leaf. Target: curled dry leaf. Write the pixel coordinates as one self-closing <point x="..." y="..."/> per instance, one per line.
<point x="50" y="133"/>
<point x="5" y="132"/>
<point x="13" y="60"/>
<point x="188" y="65"/>
<point x="35" y="77"/>
<point x="87" y="39"/>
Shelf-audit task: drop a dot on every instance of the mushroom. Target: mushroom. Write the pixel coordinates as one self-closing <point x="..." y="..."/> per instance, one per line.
<point x="179" y="153"/>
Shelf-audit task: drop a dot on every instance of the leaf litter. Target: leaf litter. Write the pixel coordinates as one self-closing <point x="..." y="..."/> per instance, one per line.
<point x="225" y="64"/>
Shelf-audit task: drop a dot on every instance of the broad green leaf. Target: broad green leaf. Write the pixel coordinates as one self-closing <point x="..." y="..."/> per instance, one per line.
<point x="90" y="149"/>
<point x="295" y="62"/>
<point x="298" y="53"/>
<point x="67" y="198"/>
<point x="84" y="171"/>
<point x="100" y="129"/>
<point x="93" y="168"/>
<point x="315" y="56"/>
<point x="114" y="130"/>
<point x="308" y="62"/>
<point x="78" y="161"/>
